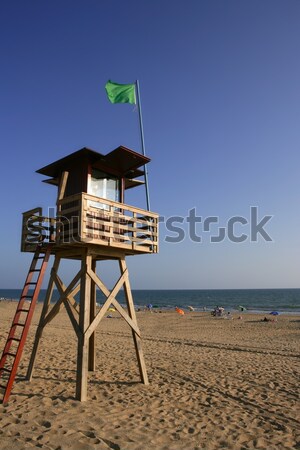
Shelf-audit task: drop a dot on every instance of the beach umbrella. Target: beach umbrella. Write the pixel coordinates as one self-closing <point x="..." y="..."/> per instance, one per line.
<point x="242" y="308"/>
<point x="191" y="308"/>
<point x="274" y="313"/>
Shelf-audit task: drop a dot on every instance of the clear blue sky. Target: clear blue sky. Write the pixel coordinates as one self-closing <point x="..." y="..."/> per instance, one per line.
<point x="221" y="106"/>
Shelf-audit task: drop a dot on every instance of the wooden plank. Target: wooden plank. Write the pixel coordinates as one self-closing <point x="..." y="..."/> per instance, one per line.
<point x="124" y="314"/>
<point x="132" y="314"/>
<point x="83" y="340"/>
<point x="71" y="211"/>
<point x="62" y="187"/>
<point x="69" y="301"/>
<point x="70" y="310"/>
<point x="120" y="245"/>
<point x="92" y="341"/>
<point x="121" y="206"/>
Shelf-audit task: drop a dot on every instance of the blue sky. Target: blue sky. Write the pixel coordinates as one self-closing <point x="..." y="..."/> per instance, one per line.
<point x="221" y="106"/>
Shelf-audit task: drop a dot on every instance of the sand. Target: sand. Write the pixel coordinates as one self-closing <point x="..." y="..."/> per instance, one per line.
<point x="214" y="384"/>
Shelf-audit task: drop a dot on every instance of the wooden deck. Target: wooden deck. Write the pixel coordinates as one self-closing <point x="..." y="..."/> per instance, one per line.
<point x="84" y="219"/>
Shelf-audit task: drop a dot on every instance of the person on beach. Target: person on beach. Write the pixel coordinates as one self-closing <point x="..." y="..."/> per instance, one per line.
<point x="265" y="319"/>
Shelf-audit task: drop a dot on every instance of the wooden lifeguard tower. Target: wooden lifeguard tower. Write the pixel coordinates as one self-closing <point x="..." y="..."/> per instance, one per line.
<point x="92" y="223"/>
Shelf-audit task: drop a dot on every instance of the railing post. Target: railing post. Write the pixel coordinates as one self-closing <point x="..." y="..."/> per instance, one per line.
<point x="52" y="230"/>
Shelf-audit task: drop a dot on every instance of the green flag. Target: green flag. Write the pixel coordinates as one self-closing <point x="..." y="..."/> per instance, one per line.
<point x="120" y="93"/>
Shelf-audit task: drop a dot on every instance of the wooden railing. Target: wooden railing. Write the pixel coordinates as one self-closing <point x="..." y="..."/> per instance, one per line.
<point x="86" y="219"/>
<point x="36" y="229"/>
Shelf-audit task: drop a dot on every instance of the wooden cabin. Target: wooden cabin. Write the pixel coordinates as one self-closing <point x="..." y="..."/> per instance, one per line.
<point x="90" y="205"/>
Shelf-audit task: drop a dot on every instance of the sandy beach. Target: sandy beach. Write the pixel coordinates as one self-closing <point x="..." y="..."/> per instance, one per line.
<point x="214" y="383"/>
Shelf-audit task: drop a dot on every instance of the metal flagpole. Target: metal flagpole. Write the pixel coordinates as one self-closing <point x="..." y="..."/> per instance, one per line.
<point x="143" y="142"/>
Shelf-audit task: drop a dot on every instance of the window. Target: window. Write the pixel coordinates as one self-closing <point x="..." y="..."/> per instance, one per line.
<point x="103" y="185"/>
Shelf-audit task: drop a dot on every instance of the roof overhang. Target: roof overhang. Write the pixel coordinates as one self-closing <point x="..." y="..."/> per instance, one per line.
<point x="122" y="161"/>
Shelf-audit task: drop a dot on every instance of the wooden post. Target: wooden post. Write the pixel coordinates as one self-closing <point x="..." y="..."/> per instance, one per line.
<point x="92" y="359"/>
<point x="84" y="320"/>
<point x="131" y="312"/>
<point x="62" y="188"/>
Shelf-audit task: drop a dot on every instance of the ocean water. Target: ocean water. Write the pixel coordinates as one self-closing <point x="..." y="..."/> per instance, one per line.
<point x="254" y="300"/>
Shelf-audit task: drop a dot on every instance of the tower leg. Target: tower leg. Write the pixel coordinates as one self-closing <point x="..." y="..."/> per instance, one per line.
<point x="92" y="355"/>
<point x="40" y="327"/>
<point x="84" y="321"/>
<point x="131" y="312"/>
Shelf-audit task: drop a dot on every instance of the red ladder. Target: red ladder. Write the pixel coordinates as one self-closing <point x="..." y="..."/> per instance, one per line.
<point x="21" y="322"/>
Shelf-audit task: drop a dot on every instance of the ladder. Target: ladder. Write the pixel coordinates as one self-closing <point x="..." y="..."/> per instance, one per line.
<point x="21" y="322"/>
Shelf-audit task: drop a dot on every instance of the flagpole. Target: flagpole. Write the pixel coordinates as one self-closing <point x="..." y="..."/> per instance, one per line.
<point x="143" y="142"/>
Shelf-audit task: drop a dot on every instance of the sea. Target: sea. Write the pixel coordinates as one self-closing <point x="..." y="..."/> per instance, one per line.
<point x="284" y="301"/>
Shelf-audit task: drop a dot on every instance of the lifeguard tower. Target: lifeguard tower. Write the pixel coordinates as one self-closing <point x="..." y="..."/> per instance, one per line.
<point x="92" y="223"/>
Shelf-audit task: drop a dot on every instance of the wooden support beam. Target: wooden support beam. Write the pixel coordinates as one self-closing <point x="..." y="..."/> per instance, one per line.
<point x="84" y="319"/>
<point x="132" y="314"/>
<point x="62" y="186"/>
<point x="68" y="292"/>
<point x="70" y="310"/>
<point x="112" y="300"/>
<point x="92" y="341"/>
<point x="69" y="301"/>
<point x="125" y="316"/>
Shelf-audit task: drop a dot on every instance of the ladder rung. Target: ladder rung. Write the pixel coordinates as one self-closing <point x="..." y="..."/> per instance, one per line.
<point x="18" y="324"/>
<point x="27" y="296"/>
<point x="35" y="270"/>
<point x="30" y="282"/>
<point x="9" y="354"/>
<point x="22" y="310"/>
<point x="5" y="370"/>
<point x="14" y="339"/>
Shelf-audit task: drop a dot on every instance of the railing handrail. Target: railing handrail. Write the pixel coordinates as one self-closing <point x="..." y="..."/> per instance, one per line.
<point x="105" y="201"/>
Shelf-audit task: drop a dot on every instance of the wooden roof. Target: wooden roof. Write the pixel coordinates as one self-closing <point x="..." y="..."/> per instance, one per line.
<point x="122" y="160"/>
